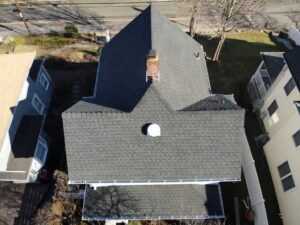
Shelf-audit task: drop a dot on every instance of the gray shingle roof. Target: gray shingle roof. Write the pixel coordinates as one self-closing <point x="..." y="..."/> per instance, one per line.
<point x="153" y="202"/>
<point x="122" y="69"/>
<point x="194" y="145"/>
<point x="292" y="59"/>
<point x="214" y="102"/>
<point x="103" y="134"/>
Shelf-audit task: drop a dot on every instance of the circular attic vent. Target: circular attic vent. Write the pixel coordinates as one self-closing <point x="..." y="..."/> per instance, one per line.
<point x="151" y="130"/>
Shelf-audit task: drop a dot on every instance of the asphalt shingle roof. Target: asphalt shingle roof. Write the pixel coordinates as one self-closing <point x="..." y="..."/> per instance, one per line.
<point x="202" y="136"/>
<point x="214" y="102"/>
<point x="122" y="68"/>
<point x="153" y="202"/>
<point x="193" y="145"/>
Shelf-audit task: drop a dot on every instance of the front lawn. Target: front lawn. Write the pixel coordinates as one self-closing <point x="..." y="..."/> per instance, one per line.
<point x="239" y="58"/>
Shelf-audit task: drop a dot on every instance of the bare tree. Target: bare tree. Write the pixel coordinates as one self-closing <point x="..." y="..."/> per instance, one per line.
<point x="295" y="18"/>
<point x="227" y="15"/>
<point x="22" y="16"/>
<point x="193" y="9"/>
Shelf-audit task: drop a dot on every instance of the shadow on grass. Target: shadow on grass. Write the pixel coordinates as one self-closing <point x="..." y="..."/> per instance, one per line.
<point x="238" y="61"/>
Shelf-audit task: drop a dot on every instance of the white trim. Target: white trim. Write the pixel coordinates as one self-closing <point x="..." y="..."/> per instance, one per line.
<point x="95" y="185"/>
<point x="151" y="182"/>
<point x="36" y="97"/>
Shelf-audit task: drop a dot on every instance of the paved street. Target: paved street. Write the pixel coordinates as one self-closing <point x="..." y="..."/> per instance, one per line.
<point x="47" y="16"/>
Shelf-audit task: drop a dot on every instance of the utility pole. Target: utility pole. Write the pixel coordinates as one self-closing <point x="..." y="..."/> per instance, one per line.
<point x="22" y="16"/>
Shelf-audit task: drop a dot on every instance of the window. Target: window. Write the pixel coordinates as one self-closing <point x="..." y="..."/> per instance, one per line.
<point x="44" y="81"/>
<point x="297" y="104"/>
<point x="286" y="177"/>
<point x="284" y="169"/>
<point x="272" y="108"/>
<point x="289" y="86"/>
<point x="296" y="138"/>
<point x="272" y="112"/>
<point x="41" y="150"/>
<point x="38" y="104"/>
<point x="288" y="183"/>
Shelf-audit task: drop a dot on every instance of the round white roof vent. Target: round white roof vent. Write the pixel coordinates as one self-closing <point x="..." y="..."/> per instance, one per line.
<point x="153" y="130"/>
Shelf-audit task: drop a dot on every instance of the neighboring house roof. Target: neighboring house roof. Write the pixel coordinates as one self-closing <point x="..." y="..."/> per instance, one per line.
<point x="274" y="63"/>
<point x="292" y="59"/>
<point x="14" y="69"/>
<point x="153" y="202"/>
<point x="122" y="67"/>
<point x="194" y="145"/>
<point x="23" y="147"/>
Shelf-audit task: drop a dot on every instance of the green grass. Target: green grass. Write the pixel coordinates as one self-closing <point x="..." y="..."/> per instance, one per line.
<point x="49" y="41"/>
<point x="239" y="58"/>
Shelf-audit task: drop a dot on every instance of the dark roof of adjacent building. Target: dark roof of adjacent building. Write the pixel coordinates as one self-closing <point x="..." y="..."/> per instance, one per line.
<point x="35" y="68"/>
<point x="292" y="59"/>
<point x="153" y="202"/>
<point x="122" y="68"/>
<point x="198" y="145"/>
<point x="23" y="147"/>
<point x="274" y="63"/>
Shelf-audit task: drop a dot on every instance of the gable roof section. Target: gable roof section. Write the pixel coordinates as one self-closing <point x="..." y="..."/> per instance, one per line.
<point x="153" y="202"/>
<point x="14" y="69"/>
<point x="274" y="63"/>
<point x="214" y="102"/>
<point x="194" y="145"/>
<point x="292" y="59"/>
<point x="121" y="78"/>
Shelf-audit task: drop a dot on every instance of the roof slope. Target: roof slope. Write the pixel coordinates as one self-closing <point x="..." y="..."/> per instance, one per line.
<point x="274" y="62"/>
<point x="122" y="69"/>
<point x="14" y="69"/>
<point x="153" y="202"/>
<point x="197" y="145"/>
<point x="292" y="59"/>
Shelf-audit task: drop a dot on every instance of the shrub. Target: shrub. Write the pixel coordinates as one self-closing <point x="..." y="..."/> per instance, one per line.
<point x="71" y="31"/>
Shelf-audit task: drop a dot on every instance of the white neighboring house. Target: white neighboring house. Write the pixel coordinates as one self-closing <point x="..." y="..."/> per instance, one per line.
<point x="25" y="94"/>
<point x="274" y="91"/>
<point x="294" y="35"/>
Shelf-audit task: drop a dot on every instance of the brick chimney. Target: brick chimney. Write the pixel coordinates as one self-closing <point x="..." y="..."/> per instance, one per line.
<point x="152" y="66"/>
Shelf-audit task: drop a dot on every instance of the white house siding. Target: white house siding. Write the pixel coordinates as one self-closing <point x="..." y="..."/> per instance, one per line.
<point x="294" y="34"/>
<point x="281" y="147"/>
